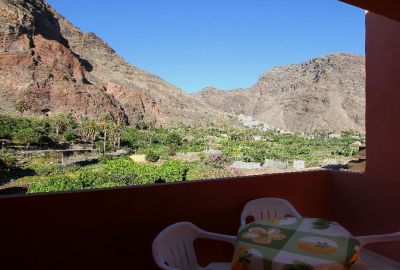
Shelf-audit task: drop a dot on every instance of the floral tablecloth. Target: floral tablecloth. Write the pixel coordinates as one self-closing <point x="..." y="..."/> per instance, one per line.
<point x="294" y="244"/>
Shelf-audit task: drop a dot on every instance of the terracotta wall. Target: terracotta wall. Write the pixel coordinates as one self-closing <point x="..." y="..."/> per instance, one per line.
<point x="370" y="203"/>
<point x="114" y="228"/>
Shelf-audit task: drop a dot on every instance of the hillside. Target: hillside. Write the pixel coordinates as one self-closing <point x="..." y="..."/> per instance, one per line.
<point x="325" y="93"/>
<point x="52" y="66"/>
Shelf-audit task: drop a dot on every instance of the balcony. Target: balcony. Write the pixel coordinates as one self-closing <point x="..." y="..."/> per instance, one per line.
<point x="114" y="228"/>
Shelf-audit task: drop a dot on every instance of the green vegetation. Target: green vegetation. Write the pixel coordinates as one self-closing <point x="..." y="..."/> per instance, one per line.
<point x="176" y="153"/>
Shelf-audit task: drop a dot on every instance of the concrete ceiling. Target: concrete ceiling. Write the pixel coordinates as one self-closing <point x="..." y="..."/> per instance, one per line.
<point x="387" y="8"/>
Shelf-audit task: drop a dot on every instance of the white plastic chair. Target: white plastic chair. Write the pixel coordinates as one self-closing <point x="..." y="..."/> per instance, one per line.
<point x="173" y="247"/>
<point x="374" y="264"/>
<point x="267" y="208"/>
<point x="368" y="239"/>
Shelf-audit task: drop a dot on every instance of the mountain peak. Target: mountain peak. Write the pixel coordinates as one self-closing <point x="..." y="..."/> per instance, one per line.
<point x="54" y="67"/>
<point x="326" y="92"/>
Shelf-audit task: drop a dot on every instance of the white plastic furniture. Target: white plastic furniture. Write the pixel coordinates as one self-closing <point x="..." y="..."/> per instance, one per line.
<point x="362" y="263"/>
<point x="173" y="247"/>
<point x="368" y="239"/>
<point x="267" y="208"/>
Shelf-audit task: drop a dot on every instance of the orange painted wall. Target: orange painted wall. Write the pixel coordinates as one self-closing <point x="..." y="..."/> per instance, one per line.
<point x="370" y="203"/>
<point x="114" y="228"/>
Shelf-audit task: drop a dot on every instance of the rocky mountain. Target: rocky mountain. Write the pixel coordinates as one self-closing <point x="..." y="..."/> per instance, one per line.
<point x="53" y="66"/>
<point x="325" y="93"/>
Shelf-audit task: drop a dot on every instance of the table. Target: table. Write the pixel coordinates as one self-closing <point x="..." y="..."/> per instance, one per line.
<point x="294" y="244"/>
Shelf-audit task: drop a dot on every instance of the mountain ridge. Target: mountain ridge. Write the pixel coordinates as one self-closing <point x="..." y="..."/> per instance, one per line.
<point x="63" y="69"/>
<point x="328" y="88"/>
<point x="54" y="67"/>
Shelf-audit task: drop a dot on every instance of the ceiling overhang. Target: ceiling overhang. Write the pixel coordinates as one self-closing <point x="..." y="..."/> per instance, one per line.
<point x="387" y="8"/>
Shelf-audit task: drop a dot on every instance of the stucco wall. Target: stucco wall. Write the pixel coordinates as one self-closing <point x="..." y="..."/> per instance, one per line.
<point x="114" y="228"/>
<point x="370" y="203"/>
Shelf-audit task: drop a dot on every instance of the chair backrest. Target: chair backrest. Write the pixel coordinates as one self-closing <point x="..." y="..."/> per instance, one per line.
<point x="173" y="247"/>
<point x="267" y="208"/>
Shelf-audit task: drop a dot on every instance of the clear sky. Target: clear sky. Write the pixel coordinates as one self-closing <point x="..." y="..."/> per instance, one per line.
<point x="223" y="43"/>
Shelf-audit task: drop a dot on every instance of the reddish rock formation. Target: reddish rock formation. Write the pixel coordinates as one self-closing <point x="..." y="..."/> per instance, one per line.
<point x="325" y="93"/>
<point x="54" y="67"/>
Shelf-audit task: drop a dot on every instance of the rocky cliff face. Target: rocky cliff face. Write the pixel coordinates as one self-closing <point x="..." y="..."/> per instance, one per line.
<point x="54" y="67"/>
<point x="324" y="93"/>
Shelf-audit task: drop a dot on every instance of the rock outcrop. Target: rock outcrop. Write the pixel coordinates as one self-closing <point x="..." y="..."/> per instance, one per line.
<point x="52" y="66"/>
<point x="325" y="93"/>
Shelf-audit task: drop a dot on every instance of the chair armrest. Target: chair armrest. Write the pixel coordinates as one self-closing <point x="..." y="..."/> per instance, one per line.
<point x="219" y="237"/>
<point x="163" y="265"/>
<point x="367" y="239"/>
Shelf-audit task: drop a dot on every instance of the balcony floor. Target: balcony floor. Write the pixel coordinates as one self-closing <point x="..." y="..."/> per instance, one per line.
<point x="374" y="261"/>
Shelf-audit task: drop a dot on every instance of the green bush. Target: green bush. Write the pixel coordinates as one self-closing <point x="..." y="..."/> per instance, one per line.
<point x="152" y="156"/>
<point x="55" y="183"/>
<point x="5" y="132"/>
<point x="169" y="150"/>
<point x="346" y="151"/>
<point x="70" y="135"/>
<point x="106" y="158"/>
<point x="27" y="136"/>
<point x="120" y="166"/>
<point x="90" y="179"/>
<point x="109" y="185"/>
<point x="173" y="138"/>
<point x="255" y="155"/>
<point x="146" y="174"/>
<point x="84" y="180"/>
<point x="7" y="162"/>
<point x="172" y="170"/>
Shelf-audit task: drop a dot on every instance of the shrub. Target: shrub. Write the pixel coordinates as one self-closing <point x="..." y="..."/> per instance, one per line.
<point x="201" y="171"/>
<point x="256" y="155"/>
<point x="172" y="170"/>
<point x="151" y="156"/>
<point x="84" y="180"/>
<point x="7" y="161"/>
<point x="106" y="158"/>
<point x="119" y="166"/>
<point x="55" y="183"/>
<point x="109" y="185"/>
<point x="90" y="179"/>
<point x="27" y="136"/>
<point x="70" y="135"/>
<point x="173" y="138"/>
<point x="5" y="131"/>
<point x="346" y="151"/>
<point x="216" y="160"/>
<point x="146" y="174"/>
<point x="170" y="151"/>
<point x="123" y="180"/>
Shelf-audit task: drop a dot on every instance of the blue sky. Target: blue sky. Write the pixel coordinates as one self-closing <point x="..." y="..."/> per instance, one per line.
<point x="223" y="43"/>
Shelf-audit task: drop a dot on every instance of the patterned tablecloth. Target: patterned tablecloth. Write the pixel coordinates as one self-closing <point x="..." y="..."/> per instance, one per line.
<point x="294" y="244"/>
